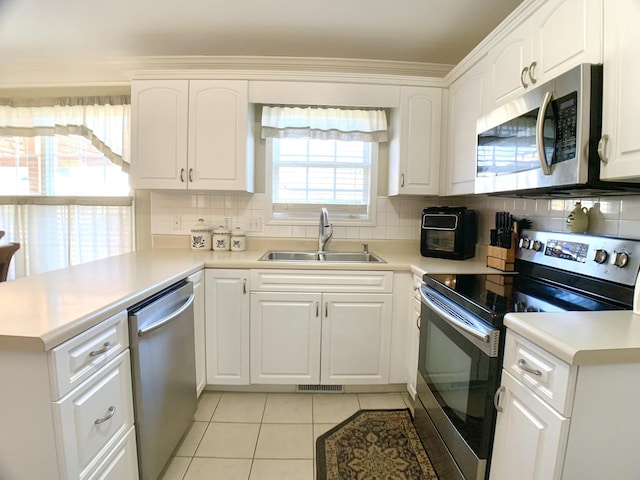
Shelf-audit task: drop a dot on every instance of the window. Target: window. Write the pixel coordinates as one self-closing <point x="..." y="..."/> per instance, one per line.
<point x="58" y="165"/>
<point x="322" y="158"/>
<point x="64" y="187"/>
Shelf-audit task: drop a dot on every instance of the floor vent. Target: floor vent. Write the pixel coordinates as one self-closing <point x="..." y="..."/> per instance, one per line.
<point x="320" y="388"/>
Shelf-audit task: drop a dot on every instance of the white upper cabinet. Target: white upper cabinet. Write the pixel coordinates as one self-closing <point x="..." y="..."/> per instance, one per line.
<point x="159" y="116"/>
<point x="558" y="36"/>
<point x="194" y="134"/>
<point x="414" y="150"/>
<point x="620" y="146"/>
<point x="466" y="104"/>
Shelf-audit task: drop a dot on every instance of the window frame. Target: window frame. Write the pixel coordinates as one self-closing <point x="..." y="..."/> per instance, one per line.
<point x="308" y="214"/>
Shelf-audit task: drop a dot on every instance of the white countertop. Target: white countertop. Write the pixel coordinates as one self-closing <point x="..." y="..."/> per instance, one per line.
<point x="40" y="312"/>
<point x="582" y="338"/>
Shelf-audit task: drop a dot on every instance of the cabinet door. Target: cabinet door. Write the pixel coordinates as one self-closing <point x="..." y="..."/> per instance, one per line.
<point x="621" y="99"/>
<point x="466" y="103"/>
<point x="356" y="336"/>
<point x="565" y="33"/>
<point x="414" y="151"/>
<point x="94" y="416"/>
<point x="509" y="63"/>
<point x="199" y="329"/>
<point x="285" y="337"/>
<point x="413" y="345"/>
<point x="530" y="438"/>
<point x="159" y="134"/>
<point x="220" y="157"/>
<point x="227" y="327"/>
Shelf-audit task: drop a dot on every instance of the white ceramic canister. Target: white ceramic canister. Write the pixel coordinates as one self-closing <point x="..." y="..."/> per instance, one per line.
<point x="221" y="238"/>
<point x="238" y="240"/>
<point x="201" y="236"/>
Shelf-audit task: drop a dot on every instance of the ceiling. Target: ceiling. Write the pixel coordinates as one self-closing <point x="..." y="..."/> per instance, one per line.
<point x="428" y="31"/>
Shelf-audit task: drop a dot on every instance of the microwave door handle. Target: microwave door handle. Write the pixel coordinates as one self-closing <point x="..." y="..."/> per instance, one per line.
<point x="542" y="156"/>
<point x="453" y="320"/>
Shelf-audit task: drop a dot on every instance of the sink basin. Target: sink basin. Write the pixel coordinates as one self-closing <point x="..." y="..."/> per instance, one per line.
<point x="297" y="256"/>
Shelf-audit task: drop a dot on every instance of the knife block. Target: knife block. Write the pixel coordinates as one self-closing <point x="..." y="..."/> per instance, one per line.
<point x="503" y="258"/>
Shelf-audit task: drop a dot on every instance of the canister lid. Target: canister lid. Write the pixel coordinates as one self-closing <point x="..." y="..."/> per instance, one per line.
<point x="238" y="232"/>
<point x="221" y="230"/>
<point x="201" y="227"/>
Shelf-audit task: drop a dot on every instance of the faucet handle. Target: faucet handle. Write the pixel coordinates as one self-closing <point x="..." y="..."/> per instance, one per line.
<point x="365" y="248"/>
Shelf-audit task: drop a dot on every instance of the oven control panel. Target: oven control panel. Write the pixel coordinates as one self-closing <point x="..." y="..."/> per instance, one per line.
<point x="612" y="259"/>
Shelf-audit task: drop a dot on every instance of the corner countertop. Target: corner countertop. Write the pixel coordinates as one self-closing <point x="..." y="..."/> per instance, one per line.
<point x="42" y="311"/>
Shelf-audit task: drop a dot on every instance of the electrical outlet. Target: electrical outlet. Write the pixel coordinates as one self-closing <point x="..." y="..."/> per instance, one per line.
<point x="255" y="224"/>
<point x="177" y="222"/>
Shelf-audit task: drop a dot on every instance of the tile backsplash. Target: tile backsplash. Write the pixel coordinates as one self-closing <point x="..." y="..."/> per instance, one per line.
<point x="396" y="218"/>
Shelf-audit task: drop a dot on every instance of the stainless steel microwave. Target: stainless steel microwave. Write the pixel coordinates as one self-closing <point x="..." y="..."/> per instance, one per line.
<point x="546" y="140"/>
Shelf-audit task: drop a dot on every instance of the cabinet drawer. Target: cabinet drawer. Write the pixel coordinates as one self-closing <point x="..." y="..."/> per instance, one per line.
<point x="332" y="281"/>
<point x="92" y="419"/>
<point x="550" y="378"/>
<point x="121" y="463"/>
<point x="77" y="359"/>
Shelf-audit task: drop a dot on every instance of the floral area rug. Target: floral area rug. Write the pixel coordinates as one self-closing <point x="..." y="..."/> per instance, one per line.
<point x="373" y="445"/>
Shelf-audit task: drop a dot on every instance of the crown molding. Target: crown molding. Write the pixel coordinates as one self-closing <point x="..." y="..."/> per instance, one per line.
<point x="120" y="71"/>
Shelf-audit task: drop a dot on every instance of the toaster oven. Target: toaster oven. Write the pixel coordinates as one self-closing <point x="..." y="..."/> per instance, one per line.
<point x="448" y="232"/>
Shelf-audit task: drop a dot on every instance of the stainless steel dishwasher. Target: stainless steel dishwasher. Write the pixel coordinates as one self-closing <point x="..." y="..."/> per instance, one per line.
<point x="163" y="371"/>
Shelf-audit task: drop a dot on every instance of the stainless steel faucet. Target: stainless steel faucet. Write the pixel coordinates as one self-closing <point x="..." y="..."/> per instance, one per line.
<point x="323" y="236"/>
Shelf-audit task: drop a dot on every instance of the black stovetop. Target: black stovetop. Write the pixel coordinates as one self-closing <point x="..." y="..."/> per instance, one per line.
<point x="491" y="296"/>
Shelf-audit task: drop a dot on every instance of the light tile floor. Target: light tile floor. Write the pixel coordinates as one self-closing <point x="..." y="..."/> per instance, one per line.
<point x="264" y="436"/>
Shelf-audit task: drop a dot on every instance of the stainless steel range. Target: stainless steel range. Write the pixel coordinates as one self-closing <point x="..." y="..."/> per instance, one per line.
<point x="462" y="334"/>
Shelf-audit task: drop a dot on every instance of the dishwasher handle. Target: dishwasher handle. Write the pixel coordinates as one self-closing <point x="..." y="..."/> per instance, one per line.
<point x="165" y="320"/>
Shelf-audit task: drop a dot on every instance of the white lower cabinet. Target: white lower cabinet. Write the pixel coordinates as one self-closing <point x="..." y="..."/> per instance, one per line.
<point x="94" y="417"/>
<point x="285" y="337"/>
<point x="561" y="421"/>
<point x="68" y="413"/>
<point x="227" y="326"/>
<point x="413" y="336"/>
<point x="356" y="333"/>
<point x="530" y="436"/>
<point x="320" y="327"/>
<point x="199" y="320"/>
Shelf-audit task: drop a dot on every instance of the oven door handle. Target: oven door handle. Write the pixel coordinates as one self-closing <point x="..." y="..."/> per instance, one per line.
<point x="483" y="337"/>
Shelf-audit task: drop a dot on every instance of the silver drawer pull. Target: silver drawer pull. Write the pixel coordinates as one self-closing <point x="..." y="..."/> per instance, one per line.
<point x="523" y="365"/>
<point x="110" y="413"/>
<point x="106" y="346"/>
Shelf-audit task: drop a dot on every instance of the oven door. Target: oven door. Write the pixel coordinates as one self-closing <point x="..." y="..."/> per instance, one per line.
<point x="459" y="369"/>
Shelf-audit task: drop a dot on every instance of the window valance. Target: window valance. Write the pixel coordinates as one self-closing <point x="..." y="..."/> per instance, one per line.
<point x="102" y="120"/>
<point x="324" y="123"/>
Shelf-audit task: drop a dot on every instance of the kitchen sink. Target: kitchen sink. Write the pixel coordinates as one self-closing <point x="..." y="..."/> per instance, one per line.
<point x="297" y="256"/>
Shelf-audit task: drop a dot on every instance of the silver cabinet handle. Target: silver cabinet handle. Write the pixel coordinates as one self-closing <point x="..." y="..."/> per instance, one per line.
<point x="326" y="309"/>
<point x="402" y="180"/>
<point x="542" y="155"/>
<point x="182" y="175"/>
<point x="110" y="413"/>
<point x="418" y="321"/>
<point x="191" y="174"/>
<point x="244" y="286"/>
<point x="531" y="70"/>
<point x="497" y="397"/>
<point x="602" y="146"/>
<point x="523" y="365"/>
<point x="106" y="346"/>
<point x="522" y="74"/>
<point x="317" y="309"/>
